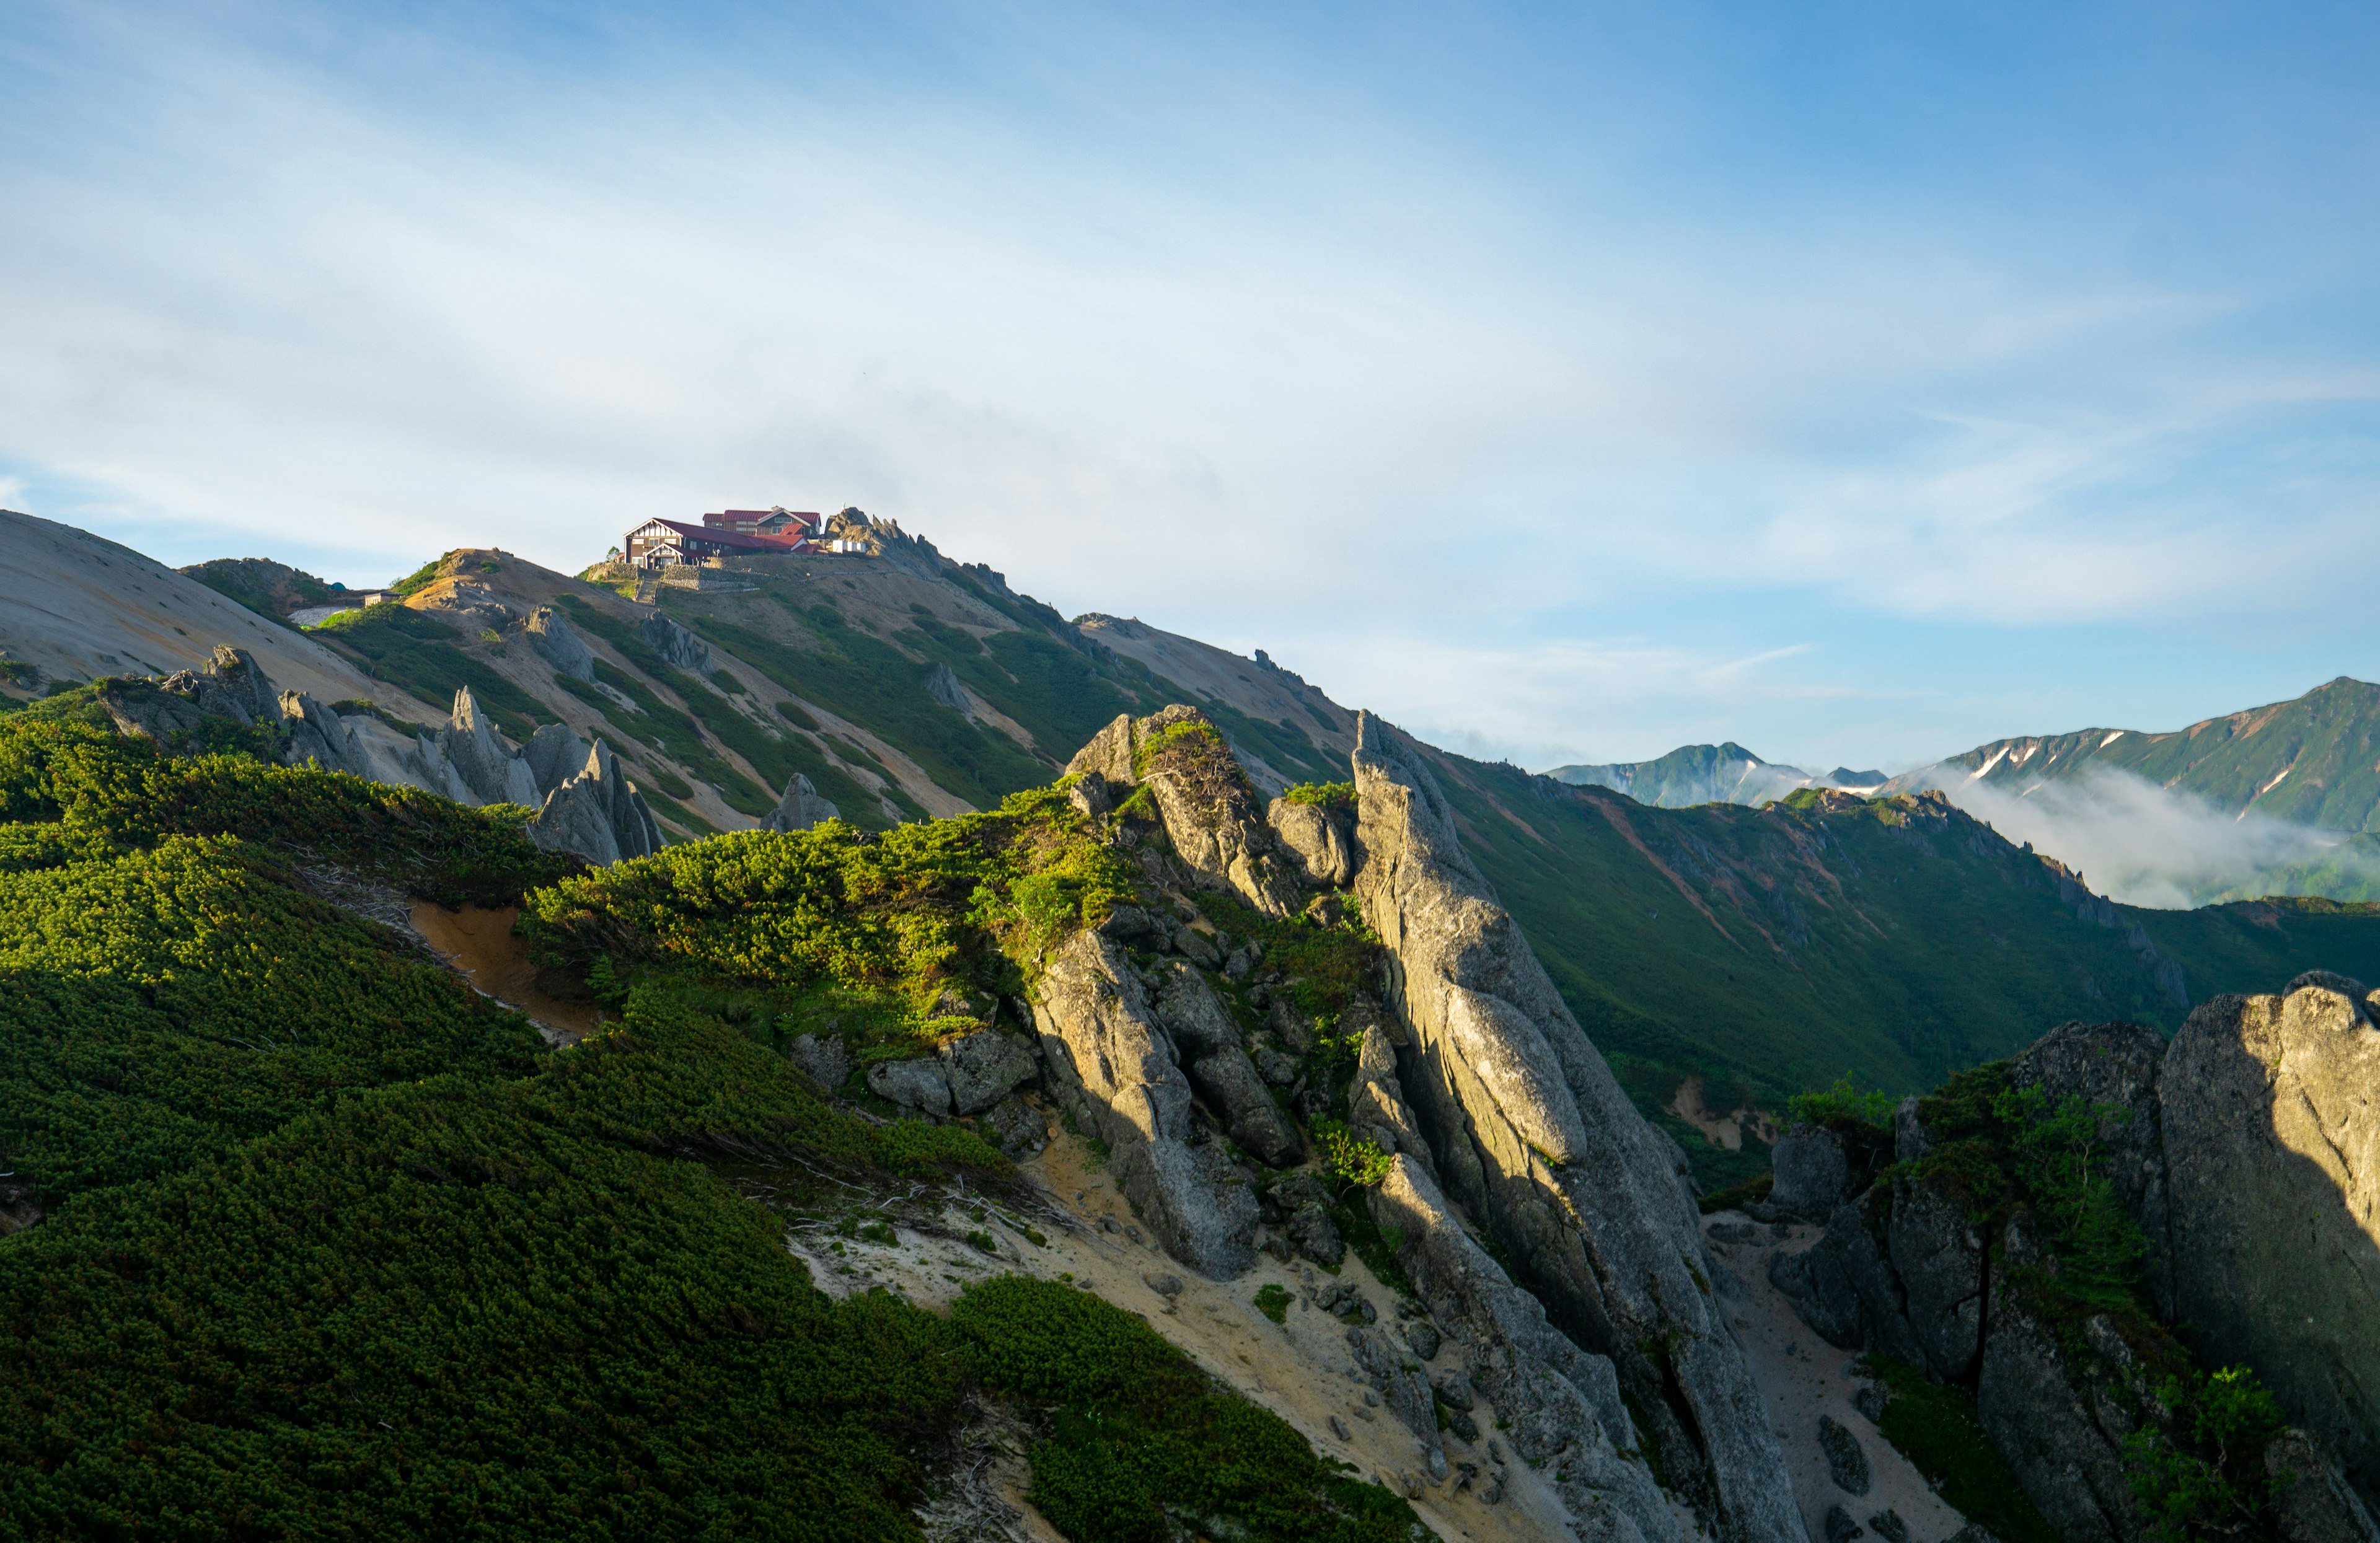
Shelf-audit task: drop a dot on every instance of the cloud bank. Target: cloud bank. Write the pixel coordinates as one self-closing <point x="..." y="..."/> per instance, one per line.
<point x="2143" y="844"/>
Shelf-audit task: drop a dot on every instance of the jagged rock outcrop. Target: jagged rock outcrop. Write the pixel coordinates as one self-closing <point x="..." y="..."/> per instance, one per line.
<point x="942" y="685"/>
<point x="551" y="634"/>
<point x="802" y="806"/>
<point x="2065" y="1444"/>
<point x="1534" y="1137"/>
<point x="318" y="735"/>
<point x="598" y="814"/>
<point x="1323" y="840"/>
<point x="493" y="773"/>
<point x="1376" y="1111"/>
<point x="1205" y="799"/>
<point x="674" y="643"/>
<point x="2248" y="1154"/>
<point x="1559" y="1405"/>
<point x="1206" y="1047"/>
<point x="1110" y="1060"/>
<point x="2270" y="1109"/>
<point x="233" y="686"/>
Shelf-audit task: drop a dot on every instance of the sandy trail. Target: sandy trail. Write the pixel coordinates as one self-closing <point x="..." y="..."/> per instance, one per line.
<point x="1300" y="1369"/>
<point x="1801" y="1377"/>
<point x="478" y="945"/>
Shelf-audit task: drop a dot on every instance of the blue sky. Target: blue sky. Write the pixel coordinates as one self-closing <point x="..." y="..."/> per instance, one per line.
<point x="1855" y="382"/>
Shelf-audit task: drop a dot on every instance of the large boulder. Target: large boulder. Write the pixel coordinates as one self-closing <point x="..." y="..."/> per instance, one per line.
<point x="1535" y="1138"/>
<point x="1938" y="1256"/>
<point x="985" y="1067"/>
<point x="1813" y="1174"/>
<point x="1109" y="1059"/>
<point x="923" y="1084"/>
<point x="558" y="643"/>
<point x="1323" y="840"/>
<point x="1844" y="1285"/>
<point x="2270" y="1107"/>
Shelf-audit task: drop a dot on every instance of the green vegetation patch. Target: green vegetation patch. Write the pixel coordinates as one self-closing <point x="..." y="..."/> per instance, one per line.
<point x="1142" y="1446"/>
<point x="1934" y="1425"/>
<point x="1273" y="1299"/>
<point x="1324" y="796"/>
<point x="895" y="920"/>
<point x="1352" y="1158"/>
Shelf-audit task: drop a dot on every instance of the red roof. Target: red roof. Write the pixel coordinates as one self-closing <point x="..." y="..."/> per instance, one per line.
<point x="719" y="535"/>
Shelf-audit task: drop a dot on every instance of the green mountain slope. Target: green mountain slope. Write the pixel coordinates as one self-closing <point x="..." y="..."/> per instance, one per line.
<point x="1897" y="940"/>
<point x="2314" y="760"/>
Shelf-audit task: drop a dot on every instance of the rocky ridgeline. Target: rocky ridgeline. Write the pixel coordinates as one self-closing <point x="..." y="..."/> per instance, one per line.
<point x="1514" y="1130"/>
<point x="2247" y="1152"/>
<point x="584" y="802"/>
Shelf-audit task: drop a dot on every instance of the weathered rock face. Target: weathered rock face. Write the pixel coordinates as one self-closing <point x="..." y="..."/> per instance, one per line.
<point x="1206" y="1046"/>
<point x="826" y="1061"/>
<point x="317" y="735"/>
<point x="674" y="643"/>
<point x="2067" y="1448"/>
<point x="2115" y="1063"/>
<point x="1939" y="1259"/>
<point x="1813" y="1174"/>
<point x="922" y="1084"/>
<point x="1533" y="1135"/>
<point x="1323" y="842"/>
<point x="802" y="808"/>
<point x="1205" y="799"/>
<point x="1376" y="1111"/>
<point x="1555" y="1401"/>
<point x="984" y="1068"/>
<point x="1108" y="1057"/>
<point x="551" y="634"/>
<point x="1845" y="1287"/>
<point x="2271" y="1119"/>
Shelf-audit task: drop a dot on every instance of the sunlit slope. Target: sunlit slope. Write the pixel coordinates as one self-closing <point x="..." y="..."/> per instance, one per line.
<point x="2314" y="760"/>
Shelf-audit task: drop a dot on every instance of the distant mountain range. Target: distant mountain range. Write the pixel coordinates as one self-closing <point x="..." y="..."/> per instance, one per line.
<point x="1725" y="773"/>
<point x="2314" y="760"/>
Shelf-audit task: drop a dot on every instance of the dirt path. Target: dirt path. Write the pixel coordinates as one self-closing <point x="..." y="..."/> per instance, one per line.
<point x="1801" y="1377"/>
<point x="478" y="945"/>
<point x="1300" y="1369"/>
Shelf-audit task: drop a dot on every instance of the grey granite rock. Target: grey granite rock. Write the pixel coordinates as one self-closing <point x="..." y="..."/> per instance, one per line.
<point x="488" y="766"/>
<point x="921" y="1084"/>
<point x="1018" y="1127"/>
<point x="2068" y="1464"/>
<point x="1847" y="1461"/>
<point x="2115" y="1064"/>
<point x="1939" y="1259"/>
<point x="1107" y="1056"/>
<point x="824" y="1059"/>
<point x="984" y="1068"/>
<point x="2271" y="1126"/>
<point x="1813" y="1174"/>
<point x="802" y="808"/>
<point x="551" y="634"/>
<point x="1322" y="841"/>
<point x="1533" y="1136"/>
<point x="674" y="643"/>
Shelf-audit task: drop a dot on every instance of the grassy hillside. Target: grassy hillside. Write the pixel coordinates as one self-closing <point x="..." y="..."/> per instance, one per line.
<point x="333" y="1246"/>
<point x="1897" y="940"/>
